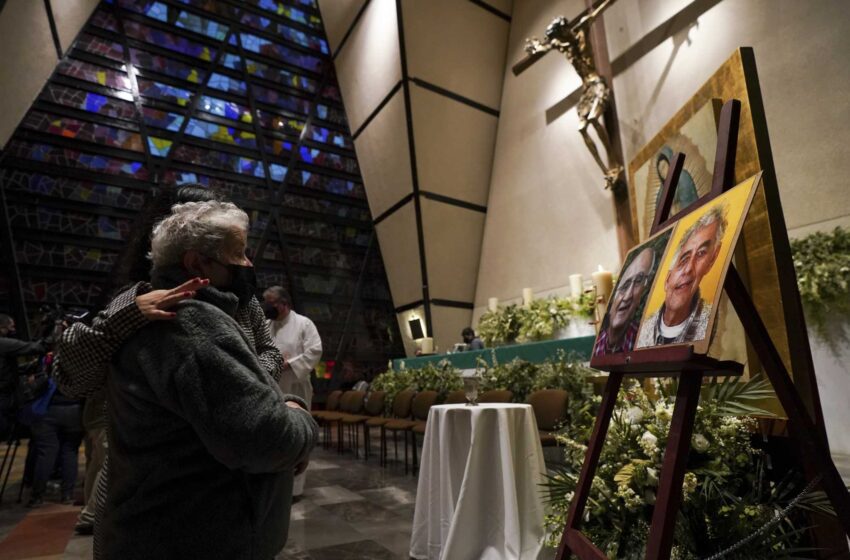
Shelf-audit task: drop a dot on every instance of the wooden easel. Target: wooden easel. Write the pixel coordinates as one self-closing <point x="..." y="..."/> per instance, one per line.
<point x="682" y="362"/>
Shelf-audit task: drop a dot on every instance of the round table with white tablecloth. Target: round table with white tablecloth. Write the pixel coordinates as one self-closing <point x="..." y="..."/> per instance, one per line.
<point x="479" y="493"/>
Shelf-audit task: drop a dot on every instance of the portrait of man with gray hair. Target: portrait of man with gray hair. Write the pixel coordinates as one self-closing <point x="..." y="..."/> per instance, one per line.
<point x="204" y="444"/>
<point x="684" y="315"/>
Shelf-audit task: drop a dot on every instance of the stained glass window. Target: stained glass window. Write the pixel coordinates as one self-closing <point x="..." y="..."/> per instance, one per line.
<point x="327" y="136"/>
<point x="226" y="83"/>
<point x="64" y="221"/>
<point x="289" y="12"/>
<point x="281" y="76"/>
<point x="61" y="291"/>
<point x="289" y="33"/>
<point x="88" y="101"/>
<point x="236" y="190"/>
<point x="331" y="185"/>
<point x="104" y="20"/>
<point x="225" y="109"/>
<point x="159" y="146"/>
<point x="278" y="147"/>
<point x="208" y="27"/>
<point x="328" y="159"/>
<point x="67" y="127"/>
<point x="219" y="133"/>
<point x="219" y="160"/>
<point x="265" y="47"/>
<point x="77" y="159"/>
<point x="162" y="119"/>
<point x="280" y="99"/>
<point x="279" y="123"/>
<point x="167" y="40"/>
<point x="72" y="189"/>
<point x="67" y="256"/>
<point x="95" y="74"/>
<point x="100" y="47"/>
<point x="166" y="66"/>
<point x="77" y="210"/>
<point x="157" y="90"/>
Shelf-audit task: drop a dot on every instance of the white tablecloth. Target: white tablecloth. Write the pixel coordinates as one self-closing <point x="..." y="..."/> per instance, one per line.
<point x="479" y="493"/>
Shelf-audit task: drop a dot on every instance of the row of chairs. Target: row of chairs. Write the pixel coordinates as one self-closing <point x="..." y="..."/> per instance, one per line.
<point x="351" y="412"/>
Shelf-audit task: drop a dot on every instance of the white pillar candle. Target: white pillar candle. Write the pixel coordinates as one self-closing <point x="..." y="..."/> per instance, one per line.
<point x="527" y="296"/>
<point x="604" y="282"/>
<point x="493" y="304"/>
<point x="427" y="345"/>
<point x="576" y="285"/>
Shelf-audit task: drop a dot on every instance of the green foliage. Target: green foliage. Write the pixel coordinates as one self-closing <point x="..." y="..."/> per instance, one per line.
<point x="442" y="378"/>
<point x="822" y="261"/>
<point x="727" y="496"/>
<point x="539" y="321"/>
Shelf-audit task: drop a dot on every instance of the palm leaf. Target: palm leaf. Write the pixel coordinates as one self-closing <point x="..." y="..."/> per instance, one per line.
<point x="732" y="396"/>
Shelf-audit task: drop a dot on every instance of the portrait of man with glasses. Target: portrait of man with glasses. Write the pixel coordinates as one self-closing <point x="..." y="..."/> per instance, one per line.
<point x="621" y="323"/>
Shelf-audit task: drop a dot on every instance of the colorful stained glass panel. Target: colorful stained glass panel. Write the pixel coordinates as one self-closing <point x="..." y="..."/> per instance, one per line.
<point x="162" y="119"/>
<point x="280" y="99"/>
<point x="225" y="109"/>
<point x="281" y="76"/>
<point x="166" y="66"/>
<point x="226" y="83"/>
<point x="74" y="158"/>
<point x="219" y="160"/>
<point x="88" y="101"/>
<point x="288" y="12"/>
<point x="328" y="159"/>
<point x="72" y="189"/>
<point x="331" y="185"/>
<point x="218" y="133"/>
<point x="280" y="52"/>
<point x="94" y="74"/>
<point x="83" y="130"/>
<point x="165" y="92"/>
<point x="100" y="47"/>
<point x="289" y="33"/>
<point x="167" y="40"/>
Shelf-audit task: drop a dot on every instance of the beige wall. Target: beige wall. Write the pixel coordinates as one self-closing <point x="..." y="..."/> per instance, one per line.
<point x="28" y="53"/>
<point x="548" y="213"/>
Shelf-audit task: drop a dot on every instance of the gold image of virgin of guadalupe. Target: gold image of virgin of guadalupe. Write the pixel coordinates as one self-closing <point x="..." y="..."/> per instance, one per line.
<point x="697" y="139"/>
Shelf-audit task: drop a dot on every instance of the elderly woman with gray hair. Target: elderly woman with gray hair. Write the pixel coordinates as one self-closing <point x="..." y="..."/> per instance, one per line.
<point x="203" y="442"/>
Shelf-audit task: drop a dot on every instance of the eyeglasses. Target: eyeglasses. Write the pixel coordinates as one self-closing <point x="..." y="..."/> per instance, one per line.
<point x="638" y="280"/>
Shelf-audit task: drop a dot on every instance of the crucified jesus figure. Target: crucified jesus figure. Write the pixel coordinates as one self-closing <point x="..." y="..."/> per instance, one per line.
<point x="571" y="39"/>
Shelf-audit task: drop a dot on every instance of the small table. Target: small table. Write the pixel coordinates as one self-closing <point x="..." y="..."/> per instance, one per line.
<point x="479" y="493"/>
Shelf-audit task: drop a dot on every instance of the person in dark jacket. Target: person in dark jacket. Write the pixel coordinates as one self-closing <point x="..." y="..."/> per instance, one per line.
<point x="10" y="350"/>
<point x="203" y="444"/>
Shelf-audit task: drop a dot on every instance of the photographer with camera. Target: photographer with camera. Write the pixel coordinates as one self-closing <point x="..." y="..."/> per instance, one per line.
<point x="10" y="350"/>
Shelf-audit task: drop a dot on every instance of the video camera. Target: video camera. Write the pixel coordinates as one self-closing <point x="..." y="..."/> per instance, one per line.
<point x="55" y="315"/>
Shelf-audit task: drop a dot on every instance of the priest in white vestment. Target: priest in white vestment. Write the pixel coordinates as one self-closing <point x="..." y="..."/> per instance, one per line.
<point x="301" y="347"/>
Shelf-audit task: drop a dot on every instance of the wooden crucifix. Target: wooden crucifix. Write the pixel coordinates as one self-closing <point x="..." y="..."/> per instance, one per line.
<point x="681" y="360"/>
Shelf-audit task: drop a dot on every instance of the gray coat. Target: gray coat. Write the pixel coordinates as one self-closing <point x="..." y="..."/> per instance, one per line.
<point x="201" y="443"/>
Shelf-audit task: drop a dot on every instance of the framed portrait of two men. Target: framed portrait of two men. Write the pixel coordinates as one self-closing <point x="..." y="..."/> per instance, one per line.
<point x="670" y="285"/>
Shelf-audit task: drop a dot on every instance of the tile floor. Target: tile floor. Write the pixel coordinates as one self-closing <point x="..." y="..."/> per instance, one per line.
<point x="350" y="510"/>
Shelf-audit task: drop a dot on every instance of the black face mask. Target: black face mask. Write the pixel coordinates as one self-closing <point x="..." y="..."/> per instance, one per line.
<point x="269" y="310"/>
<point x="243" y="282"/>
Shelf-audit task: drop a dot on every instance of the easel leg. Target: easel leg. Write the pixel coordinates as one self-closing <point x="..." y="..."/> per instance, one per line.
<point x="591" y="460"/>
<point x="669" y="496"/>
<point x="812" y="446"/>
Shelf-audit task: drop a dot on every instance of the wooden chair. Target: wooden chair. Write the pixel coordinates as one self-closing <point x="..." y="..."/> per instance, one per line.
<point x="550" y="409"/>
<point x="331" y="408"/>
<point x="456" y="397"/>
<point x="496" y="396"/>
<point x="421" y="406"/>
<point x="350" y="406"/>
<point x="373" y="408"/>
<point x="399" y="422"/>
